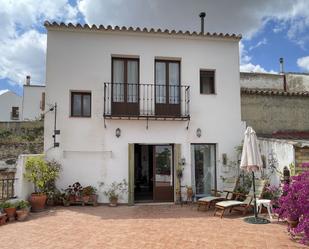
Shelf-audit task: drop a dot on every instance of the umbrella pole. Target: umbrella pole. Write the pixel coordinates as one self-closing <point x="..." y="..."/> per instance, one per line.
<point x="254" y="196"/>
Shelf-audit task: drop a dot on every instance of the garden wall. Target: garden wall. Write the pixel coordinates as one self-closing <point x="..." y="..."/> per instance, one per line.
<point x="268" y="113"/>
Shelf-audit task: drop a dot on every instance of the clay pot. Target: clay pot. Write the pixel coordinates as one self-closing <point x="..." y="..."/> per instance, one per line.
<point x="3" y="218"/>
<point x="189" y="193"/>
<point x="11" y="213"/>
<point x="293" y="222"/>
<point x="22" y="214"/>
<point x="113" y="201"/>
<point x="37" y="202"/>
<point x="86" y="198"/>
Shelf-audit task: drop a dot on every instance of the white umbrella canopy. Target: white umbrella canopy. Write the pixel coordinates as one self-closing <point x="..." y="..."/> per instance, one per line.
<point x="251" y="159"/>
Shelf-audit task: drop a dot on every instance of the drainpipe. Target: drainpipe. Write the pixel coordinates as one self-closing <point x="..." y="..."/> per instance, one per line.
<point x="281" y="61"/>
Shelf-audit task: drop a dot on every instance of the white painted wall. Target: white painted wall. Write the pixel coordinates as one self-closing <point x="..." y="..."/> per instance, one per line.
<point x="9" y="99"/>
<point x="23" y="188"/>
<point x="90" y="153"/>
<point x="32" y="98"/>
<point x="282" y="151"/>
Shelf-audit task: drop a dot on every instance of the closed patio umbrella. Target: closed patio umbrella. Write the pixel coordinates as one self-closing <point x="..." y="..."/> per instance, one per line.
<point x="251" y="161"/>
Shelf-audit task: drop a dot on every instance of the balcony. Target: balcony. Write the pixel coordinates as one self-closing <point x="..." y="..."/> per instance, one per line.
<point x="146" y="101"/>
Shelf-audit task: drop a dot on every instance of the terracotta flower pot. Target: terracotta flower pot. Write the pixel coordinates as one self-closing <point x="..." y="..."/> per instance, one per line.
<point x="86" y="198"/>
<point x="22" y="214"/>
<point x="293" y="222"/>
<point x="113" y="201"/>
<point x="37" y="202"/>
<point x="3" y="218"/>
<point x="11" y="213"/>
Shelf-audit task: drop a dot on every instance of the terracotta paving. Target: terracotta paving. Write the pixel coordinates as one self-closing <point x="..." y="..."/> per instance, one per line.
<point x="159" y="226"/>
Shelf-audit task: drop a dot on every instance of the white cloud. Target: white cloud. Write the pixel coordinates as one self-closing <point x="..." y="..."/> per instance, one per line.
<point x="22" y="46"/>
<point x="260" y="43"/>
<point x="303" y="63"/>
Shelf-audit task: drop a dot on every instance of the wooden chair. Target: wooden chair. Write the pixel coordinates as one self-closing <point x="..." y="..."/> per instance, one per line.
<point x="242" y="206"/>
<point x="227" y="194"/>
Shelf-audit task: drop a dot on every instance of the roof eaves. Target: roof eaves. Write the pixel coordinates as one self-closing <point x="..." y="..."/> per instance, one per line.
<point x="93" y="27"/>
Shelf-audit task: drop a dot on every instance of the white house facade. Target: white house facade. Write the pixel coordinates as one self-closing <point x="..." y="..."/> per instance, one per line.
<point x="138" y="105"/>
<point x="33" y="102"/>
<point x="10" y="106"/>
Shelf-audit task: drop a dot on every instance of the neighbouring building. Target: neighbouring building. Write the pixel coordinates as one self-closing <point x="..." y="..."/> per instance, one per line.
<point x="275" y="102"/>
<point x="137" y="104"/>
<point x="29" y="107"/>
<point x="10" y="106"/>
<point x="33" y="101"/>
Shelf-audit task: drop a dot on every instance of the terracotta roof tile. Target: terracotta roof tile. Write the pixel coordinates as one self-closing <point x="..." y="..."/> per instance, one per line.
<point x="273" y="92"/>
<point x="94" y="27"/>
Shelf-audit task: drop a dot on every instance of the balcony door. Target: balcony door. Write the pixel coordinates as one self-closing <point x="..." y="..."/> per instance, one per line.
<point x="167" y="84"/>
<point x="125" y="86"/>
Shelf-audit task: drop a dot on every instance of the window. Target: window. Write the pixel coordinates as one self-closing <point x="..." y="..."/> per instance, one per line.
<point x="80" y="104"/>
<point x="204" y="168"/>
<point x="15" y="112"/>
<point x="125" y="80"/>
<point x="207" y="82"/>
<point x="167" y="75"/>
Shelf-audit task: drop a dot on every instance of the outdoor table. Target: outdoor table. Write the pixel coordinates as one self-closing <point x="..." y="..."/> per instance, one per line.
<point x="265" y="203"/>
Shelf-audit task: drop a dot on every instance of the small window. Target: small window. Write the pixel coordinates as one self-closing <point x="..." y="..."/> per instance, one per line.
<point x="207" y="82"/>
<point x="15" y="113"/>
<point x="80" y="104"/>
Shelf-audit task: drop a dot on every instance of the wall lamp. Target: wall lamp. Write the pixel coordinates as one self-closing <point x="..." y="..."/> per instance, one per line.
<point x="118" y="132"/>
<point x="198" y="132"/>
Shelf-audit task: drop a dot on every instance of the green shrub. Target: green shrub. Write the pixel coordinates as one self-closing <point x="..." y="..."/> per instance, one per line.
<point x="22" y="204"/>
<point x="41" y="173"/>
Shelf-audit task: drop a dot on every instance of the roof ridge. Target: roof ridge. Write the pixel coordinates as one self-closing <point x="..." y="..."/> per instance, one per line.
<point x="70" y="25"/>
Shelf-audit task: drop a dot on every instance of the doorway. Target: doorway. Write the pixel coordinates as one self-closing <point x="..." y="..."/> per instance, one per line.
<point x="153" y="173"/>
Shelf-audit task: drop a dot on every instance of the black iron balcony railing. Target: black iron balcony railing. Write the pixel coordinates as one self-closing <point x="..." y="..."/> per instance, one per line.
<point x="146" y="100"/>
<point x="7" y="188"/>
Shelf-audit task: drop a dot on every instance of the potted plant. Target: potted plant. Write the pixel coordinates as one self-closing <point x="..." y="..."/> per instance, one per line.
<point x="22" y="210"/>
<point x="10" y="209"/>
<point x="189" y="193"/>
<point x="294" y="203"/>
<point x="40" y="173"/>
<point x="74" y="192"/>
<point x="89" y="194"/>
<point x="114" y="192"/>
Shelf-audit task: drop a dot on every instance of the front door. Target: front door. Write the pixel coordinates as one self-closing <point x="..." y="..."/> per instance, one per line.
<point x="125" y="86"/>
<point x="167" y="84"/>
<point x="163" y="180"/>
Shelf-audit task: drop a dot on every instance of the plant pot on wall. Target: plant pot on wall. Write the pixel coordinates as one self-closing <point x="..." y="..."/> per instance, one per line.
<point x="37" y="201"/>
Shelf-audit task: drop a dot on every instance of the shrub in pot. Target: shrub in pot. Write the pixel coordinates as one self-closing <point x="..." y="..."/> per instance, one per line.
<point x="40" y="173"/>
<point x="10" y="209"/>
<point x="89" y="194"/>
<point x="114" y="192"/>
<point x="74" y="192"/>
<point x="22" y="210"/>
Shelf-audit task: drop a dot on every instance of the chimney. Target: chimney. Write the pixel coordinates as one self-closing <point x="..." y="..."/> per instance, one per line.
<point x="281" y="61"/>
<point x="281" y="65"/>
<point x="28" y="80"/>
<point x="202" y="16"/>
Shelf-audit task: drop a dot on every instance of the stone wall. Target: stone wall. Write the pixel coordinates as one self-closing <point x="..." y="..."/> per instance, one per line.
<point x="268" y="113"/>
<point x="301" y="156"/>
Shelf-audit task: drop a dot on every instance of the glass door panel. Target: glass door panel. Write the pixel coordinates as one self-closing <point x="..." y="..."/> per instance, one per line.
<point x="204" y="168"/>
<point x="163" y="173"/>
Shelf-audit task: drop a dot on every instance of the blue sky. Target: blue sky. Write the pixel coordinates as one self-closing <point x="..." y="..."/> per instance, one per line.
<point x="270" y="29"/>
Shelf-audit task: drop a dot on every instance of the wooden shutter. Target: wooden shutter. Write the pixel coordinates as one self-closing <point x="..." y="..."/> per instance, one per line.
<point x="42" y="101"/>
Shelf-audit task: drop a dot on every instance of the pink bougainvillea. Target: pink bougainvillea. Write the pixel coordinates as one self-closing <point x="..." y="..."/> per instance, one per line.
<point x="294" y="203"/>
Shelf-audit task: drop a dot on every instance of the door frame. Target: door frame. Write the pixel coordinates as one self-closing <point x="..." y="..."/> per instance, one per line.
<point x="193" y="165"/>
<point x="172" y="171"/>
